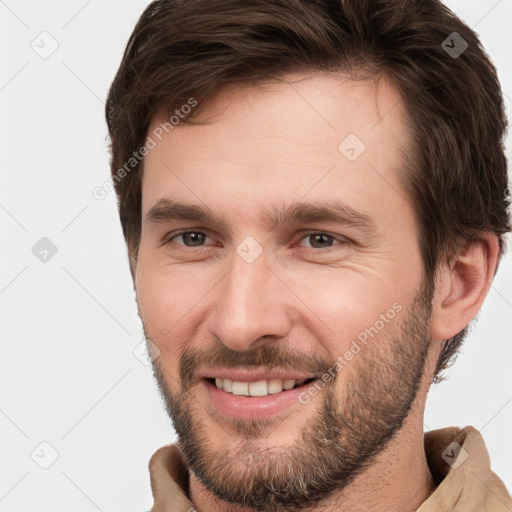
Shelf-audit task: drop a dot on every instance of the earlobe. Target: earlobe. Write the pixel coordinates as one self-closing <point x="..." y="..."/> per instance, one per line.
<point x="462" y="285"/>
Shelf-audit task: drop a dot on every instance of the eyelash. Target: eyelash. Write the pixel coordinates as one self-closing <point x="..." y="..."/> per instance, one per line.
<point x="341" y="240"/>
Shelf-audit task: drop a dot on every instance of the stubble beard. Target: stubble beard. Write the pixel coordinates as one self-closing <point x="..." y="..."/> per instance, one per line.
<point x="339" y="442"/>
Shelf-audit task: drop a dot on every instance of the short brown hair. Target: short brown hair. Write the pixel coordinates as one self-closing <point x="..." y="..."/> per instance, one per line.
<point x="457" y="168"/>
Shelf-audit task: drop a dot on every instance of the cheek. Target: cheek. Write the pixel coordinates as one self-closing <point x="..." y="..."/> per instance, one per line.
<point x="169" y="305"/>
<point x="342" y="305"/>
<point x="358" y="333"/>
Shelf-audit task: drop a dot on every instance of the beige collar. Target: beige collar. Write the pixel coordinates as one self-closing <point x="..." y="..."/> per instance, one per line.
<point x="468" y="487"/>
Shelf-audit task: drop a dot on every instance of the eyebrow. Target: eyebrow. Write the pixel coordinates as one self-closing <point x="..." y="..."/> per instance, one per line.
<point x="336" y="211"/>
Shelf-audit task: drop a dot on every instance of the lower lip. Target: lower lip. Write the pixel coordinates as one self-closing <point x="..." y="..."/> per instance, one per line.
<point x="252" y="407"/>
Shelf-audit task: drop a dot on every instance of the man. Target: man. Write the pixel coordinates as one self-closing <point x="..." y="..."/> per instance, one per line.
<point x="314" y="197"/>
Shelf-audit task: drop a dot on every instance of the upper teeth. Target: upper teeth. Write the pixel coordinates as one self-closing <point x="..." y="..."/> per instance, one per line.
<point x="259" y="388"/>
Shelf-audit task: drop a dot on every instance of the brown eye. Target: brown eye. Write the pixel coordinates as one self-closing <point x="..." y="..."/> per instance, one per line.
<point x="319" y="240"/>
<point x="190" y="238"/>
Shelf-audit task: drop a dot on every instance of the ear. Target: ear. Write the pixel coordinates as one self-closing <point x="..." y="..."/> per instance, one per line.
<point x="462" y="285"/>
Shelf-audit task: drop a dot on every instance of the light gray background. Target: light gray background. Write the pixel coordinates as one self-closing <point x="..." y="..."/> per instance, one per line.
<point x="68" y="374"/>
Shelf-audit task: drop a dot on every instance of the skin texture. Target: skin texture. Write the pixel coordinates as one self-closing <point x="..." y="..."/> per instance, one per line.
<point x="358" y="443"/>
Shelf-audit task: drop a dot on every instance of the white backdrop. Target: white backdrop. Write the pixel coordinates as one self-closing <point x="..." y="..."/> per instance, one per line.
<point x="74" y="398"/>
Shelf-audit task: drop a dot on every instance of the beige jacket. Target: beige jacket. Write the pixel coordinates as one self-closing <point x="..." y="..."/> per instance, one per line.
<point x="467" y="484"/>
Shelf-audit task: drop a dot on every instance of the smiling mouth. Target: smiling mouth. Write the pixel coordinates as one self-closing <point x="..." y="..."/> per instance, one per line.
<point x="257" y="388"/>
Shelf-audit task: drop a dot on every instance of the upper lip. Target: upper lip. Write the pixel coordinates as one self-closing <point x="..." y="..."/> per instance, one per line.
<point x="252" y="375"/>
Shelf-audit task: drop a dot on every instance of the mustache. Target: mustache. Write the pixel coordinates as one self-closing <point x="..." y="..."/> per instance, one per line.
<point x="269" y="357"/>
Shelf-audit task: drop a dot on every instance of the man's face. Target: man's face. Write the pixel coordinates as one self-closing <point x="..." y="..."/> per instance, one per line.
<point x="272" y="293"/>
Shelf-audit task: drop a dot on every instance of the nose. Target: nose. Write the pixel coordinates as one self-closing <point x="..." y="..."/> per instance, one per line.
<point x="250" y="303"/>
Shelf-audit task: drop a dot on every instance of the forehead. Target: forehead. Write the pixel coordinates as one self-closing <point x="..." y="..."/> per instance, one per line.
<point x="306" y="134"/>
